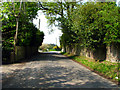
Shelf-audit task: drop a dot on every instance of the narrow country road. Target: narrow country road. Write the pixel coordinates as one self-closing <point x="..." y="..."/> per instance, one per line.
<point x="51" y="70"/>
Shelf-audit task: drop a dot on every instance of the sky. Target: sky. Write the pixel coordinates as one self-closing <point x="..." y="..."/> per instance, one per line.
<point x="49" y="38"/>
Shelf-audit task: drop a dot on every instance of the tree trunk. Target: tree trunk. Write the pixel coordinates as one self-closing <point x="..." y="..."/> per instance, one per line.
<point x="15" y="37"/>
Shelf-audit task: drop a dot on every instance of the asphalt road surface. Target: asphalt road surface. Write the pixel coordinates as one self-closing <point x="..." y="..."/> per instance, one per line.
<point x="51" y="70"/>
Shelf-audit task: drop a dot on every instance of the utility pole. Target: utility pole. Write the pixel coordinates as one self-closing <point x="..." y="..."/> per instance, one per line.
<point x="39" y="24"/>
<point x="39" y="18"/>
<point x="56" y="41"/>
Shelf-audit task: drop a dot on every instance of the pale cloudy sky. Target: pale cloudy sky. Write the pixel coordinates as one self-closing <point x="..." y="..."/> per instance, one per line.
<point x="48" y="38"/>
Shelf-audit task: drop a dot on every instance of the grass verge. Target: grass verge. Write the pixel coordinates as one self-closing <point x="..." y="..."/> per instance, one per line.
<point x="52" y="50"/>
<point x="107" y="69"/>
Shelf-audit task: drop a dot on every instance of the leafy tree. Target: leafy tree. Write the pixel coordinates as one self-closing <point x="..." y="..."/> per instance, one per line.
<point x="96" y="24"/>
<point x="89" y="25"/>
<point x="17" y="26"/>
<point x="59" y="14"/>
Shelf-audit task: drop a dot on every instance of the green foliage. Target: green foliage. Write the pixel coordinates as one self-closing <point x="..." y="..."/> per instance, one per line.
<point x="59" y="14"/>
<point x="56" y="48"/>
<point x="28" y="34"/>
<point x="96" y="24"/>
<point x="45" y="47"/>
<point x="49" y="47"/>
<point x="91" y="25"/>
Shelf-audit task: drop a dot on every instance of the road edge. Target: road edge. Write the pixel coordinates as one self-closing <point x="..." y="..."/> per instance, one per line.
<point x="98" y="73"/>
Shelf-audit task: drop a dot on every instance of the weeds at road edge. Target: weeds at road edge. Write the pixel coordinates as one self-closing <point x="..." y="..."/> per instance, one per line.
<point x="106" y="68"/>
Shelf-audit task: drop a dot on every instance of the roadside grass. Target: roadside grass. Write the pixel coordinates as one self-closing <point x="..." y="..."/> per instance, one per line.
<point x="106" y="68"/>
<point x="52" y="50"/>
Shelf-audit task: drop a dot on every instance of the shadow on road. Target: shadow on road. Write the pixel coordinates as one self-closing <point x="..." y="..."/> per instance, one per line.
<point x="50" y="70"/>
<point x="53" y="77"/>
<point x="51" y="56"/>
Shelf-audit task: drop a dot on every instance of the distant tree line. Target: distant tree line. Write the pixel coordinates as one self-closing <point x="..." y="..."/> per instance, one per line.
<point x="49" y="47"/>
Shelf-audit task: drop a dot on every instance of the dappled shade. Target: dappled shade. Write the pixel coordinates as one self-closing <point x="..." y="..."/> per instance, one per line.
<point x="51" y="70"/>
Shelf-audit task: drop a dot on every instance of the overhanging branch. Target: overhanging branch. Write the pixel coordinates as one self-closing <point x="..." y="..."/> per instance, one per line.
<point x="44" y="8"/>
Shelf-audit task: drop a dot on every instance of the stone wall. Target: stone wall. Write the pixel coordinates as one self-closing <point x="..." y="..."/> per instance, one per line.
<point x="22" y="52"/>
<point x="77" y="50"/>
<point x="110" y="53"/>
<point x="71" y="50"/>
<point x="97" y="54"/>
<point x="100" y="53"/>
<point x="19" y="52"/>
<point x="113" y="52"/>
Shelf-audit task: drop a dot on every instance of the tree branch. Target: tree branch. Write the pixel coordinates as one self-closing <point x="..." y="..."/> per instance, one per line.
<point x="7" y="42"/>
<point x="44" y="8"/>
